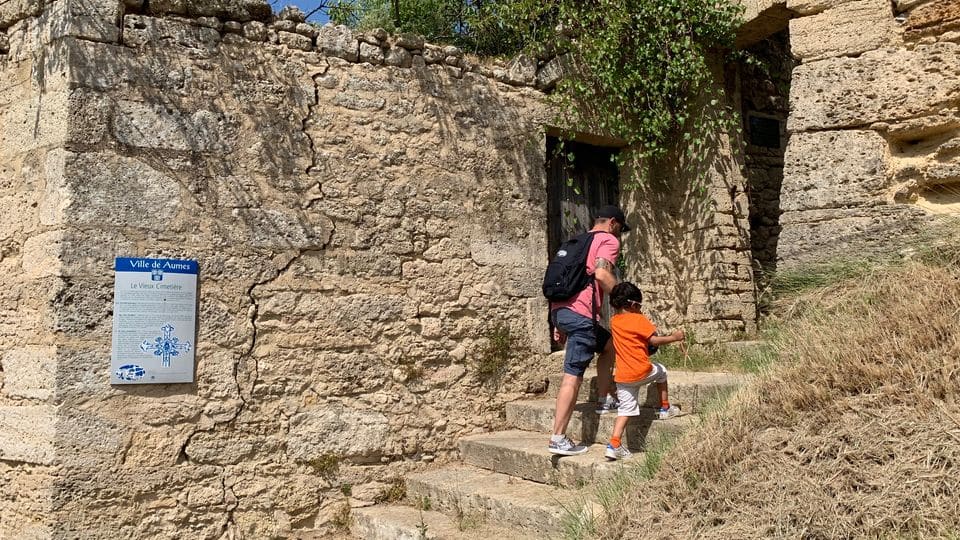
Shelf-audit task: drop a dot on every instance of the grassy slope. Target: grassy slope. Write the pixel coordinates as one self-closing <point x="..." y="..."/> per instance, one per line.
<point x="855" y="432"/>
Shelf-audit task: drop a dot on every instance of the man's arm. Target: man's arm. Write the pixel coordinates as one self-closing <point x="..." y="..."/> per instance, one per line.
<point x="604" y="274"/>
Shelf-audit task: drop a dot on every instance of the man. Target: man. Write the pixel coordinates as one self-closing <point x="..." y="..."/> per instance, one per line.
<point x="573" y="321"/>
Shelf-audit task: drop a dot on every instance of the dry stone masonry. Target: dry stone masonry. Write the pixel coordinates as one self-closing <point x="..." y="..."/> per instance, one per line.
<point x="366" y="209"/>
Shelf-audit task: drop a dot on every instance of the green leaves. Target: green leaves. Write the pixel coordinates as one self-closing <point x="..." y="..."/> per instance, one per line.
<point x="486" y="27"/>
<point x="643" y="66"/>
<point x="643" y="69"/>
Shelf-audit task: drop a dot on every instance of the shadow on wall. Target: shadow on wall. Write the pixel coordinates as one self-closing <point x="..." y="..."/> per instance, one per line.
<point x="693" y="251"/>
<point x="478" y="109"/>
<point x="214" y="158"/>
<point x="351" y="250"/>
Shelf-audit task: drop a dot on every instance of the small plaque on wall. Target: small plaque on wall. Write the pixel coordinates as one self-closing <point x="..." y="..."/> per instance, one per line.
<point x="154" y="321"/>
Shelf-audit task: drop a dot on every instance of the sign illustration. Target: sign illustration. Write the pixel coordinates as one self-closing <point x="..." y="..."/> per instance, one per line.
<point x="154" y="321"/>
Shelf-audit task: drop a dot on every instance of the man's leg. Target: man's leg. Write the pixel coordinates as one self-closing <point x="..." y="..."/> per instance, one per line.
<point x="605" y="372"/>
<point x="579" y="352"/>
<point x="566" y="399"/>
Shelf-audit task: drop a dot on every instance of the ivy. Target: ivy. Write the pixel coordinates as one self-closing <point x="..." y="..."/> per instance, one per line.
<point x="642" y="67"/>
<point x="639" y="70"/>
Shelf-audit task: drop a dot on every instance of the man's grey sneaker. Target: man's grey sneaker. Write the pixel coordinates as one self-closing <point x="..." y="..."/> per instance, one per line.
<point x="565" y="447"/>
<point x="609" y="405"/>
<point x="619" y="452"/>
<point x="669" y="412"/>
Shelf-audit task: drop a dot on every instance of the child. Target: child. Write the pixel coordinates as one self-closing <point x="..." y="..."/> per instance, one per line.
<point x="632" y="334"/>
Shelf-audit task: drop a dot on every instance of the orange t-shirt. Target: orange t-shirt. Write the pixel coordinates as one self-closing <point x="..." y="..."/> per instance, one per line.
<point x="631" y="335"/>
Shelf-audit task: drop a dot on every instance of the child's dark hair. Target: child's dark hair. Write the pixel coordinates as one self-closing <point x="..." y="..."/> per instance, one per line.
<point x="624" y="294"/>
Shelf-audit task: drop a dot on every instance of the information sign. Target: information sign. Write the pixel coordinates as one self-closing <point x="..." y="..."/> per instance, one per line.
<point x="154" y="321"/>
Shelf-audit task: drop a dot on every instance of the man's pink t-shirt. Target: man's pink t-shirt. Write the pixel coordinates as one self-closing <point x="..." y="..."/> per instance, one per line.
<point x="604" y="246"/>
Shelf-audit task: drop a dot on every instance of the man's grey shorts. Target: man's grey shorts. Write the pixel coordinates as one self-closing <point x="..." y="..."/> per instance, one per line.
<point x="581" y="341"/>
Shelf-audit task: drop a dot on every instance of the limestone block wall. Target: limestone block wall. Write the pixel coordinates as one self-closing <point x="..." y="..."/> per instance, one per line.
<point x="33" y="131"/>
<point x="365" y="210"/>
<point x="693" y="260"/>
<point x="359" y="229"/>
<point x="873" y="122"/>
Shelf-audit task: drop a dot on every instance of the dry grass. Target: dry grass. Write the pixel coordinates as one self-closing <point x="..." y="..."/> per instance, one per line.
<point x="855" y="433"/>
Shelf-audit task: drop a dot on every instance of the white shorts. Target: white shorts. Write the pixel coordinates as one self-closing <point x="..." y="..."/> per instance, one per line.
<point x="628" y="393"/>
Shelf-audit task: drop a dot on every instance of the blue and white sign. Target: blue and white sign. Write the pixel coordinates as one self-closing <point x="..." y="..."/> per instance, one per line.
<point x="154" y="321"/>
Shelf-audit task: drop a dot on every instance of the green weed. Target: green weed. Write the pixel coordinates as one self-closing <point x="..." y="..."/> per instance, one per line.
<point x="500" y="346"/>
<point x="696" y="357"/>
<point x="327" y="465"/>
<point x="396" y="491"/>
<point x="422" y="527"/>
<point x="423" y="503"/>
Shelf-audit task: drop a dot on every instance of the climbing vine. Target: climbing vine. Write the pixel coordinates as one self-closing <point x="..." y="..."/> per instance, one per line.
<point x="642" y="66"/>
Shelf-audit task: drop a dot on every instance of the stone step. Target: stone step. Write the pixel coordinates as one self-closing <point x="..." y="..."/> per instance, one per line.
<point x="589" y="427"/>
<point x="524" y="454"/>
<point x="688" y="389"/>
<point x="398" y="522"/>
<point x="745" y="346"/>
<point x="475" y="495"/>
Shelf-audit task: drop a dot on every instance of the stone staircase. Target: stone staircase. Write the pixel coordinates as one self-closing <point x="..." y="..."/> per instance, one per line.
<point x="509" y="486"/>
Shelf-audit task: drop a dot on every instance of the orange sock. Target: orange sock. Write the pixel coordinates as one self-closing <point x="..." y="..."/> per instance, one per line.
<point x="615" y="442"/>
<point x="664" y="404"/>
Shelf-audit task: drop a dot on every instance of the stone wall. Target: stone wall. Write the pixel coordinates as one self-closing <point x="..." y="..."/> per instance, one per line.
<point x="365" y="211"/>
<point x="33" y="126"/>
<point x="874" y="125"/>
<point x="691" y="249"/>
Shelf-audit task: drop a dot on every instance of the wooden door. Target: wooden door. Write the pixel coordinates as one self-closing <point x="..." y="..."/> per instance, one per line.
<point x="578" y="187"/>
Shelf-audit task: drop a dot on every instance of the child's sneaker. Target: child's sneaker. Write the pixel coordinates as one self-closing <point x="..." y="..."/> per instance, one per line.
<point x="669" y="412"/>
<point x="619" y="452"/>
<point x="609" y="405"/>
<point x="565" y="447"/>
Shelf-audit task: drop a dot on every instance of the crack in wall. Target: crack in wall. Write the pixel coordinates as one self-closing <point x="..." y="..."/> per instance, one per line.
<point x="254" y="309"/>
<point x="230" y="520"/>
<point x="304" y="128"/>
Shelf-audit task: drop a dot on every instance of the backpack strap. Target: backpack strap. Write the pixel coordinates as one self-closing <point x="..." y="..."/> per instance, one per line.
<point x="594" y="310"/>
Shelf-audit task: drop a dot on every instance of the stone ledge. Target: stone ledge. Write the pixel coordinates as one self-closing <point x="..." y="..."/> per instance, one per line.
<point x="587" y="426"/>
<point x="394" y="521"/>
<point x="528" y="506"/>
<point x="337" y="41"/>
<point x="682" y="383"/>
<point x="524" y="454"/>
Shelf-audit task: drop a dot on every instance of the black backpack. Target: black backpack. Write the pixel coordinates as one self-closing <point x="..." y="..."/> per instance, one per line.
<point x="566" y="274"/>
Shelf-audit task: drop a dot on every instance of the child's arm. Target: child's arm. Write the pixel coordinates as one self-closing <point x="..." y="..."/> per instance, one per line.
<point x="677" y="335"/>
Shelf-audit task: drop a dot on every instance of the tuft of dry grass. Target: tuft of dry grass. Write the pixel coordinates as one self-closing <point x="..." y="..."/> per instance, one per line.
<point x="854" y="433"/>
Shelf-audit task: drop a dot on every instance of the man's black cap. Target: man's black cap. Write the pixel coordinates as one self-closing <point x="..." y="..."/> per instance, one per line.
<point x="611" y="211"/>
